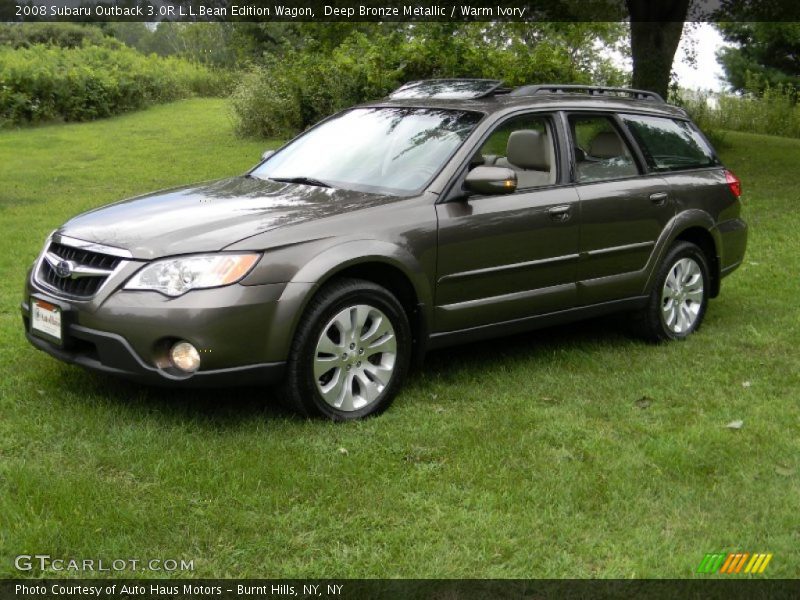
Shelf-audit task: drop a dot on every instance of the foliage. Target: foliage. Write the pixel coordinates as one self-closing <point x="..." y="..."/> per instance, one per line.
<point x="291" y="91"/>
<point x="774" y="112"/>
<point x="765" y="55"/>
<point x="65" y="35"/>
<point x="227" y="44"/>
<point x="517" y="53"/>
<point x="525" y="457"/>
<point x="288" y="94"/>
<point x="43" y="83"/>
<point x="214" y="43"/>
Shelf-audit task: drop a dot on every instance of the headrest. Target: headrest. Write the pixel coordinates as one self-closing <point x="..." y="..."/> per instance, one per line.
<point x="477" y="160"/>
<point x="527" y="149"/>
<point x="606" y="144"/>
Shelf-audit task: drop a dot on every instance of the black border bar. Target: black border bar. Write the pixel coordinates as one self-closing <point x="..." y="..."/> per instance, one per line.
<point x="376" y="10"/>
<point x="731" y="588"/>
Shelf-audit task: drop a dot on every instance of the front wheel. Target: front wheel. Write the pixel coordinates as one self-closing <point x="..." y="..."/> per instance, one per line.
<point x="350" y="354"/>
<point x="679" y="298"/>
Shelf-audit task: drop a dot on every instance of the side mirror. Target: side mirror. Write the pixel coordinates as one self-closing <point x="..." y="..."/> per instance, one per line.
<point x="491" y="180"/>
<point x="267" y="154"/>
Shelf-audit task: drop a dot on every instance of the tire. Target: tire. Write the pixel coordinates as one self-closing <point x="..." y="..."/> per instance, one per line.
<point x="359" y="330"/>
<point x="679" y="298"/>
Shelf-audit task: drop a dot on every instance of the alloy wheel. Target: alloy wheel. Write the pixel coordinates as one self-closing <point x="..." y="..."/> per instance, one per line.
<point x="682" y="296"/>
<point x="355" y="357"/>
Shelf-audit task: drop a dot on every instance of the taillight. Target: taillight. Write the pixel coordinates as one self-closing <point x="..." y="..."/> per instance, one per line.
<point x="734" y="183"/>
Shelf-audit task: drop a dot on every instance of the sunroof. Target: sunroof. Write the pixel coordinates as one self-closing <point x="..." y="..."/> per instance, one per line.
<point x="446" y="89"/>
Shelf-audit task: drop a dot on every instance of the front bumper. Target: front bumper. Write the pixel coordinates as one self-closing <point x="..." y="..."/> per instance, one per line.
<point x="242" y="332"/>
<point x="118" y="358"/>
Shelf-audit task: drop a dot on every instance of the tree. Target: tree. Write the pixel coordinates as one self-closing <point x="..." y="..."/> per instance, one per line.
<point x="766" y="54"/>
<point x="656" y="29"/>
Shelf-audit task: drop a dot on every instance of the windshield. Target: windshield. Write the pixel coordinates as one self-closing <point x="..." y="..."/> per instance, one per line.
<point x="383" y="150"/>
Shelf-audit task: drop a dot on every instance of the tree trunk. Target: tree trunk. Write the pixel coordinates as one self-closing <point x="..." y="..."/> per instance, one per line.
<point x="656" y="29"/>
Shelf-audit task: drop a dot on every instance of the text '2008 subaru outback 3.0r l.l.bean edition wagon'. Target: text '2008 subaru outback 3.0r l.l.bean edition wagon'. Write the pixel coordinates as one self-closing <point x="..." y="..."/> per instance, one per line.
<point x="452" y="211"/>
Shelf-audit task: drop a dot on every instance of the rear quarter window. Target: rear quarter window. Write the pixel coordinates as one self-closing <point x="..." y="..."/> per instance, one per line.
<point x="669" y="144"/>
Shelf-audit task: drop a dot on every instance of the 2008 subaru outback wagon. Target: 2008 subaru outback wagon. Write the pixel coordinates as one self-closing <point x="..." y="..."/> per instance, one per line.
<point x="452" y="211"/>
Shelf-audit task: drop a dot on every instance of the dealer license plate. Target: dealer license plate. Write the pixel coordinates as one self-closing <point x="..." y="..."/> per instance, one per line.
<point x="45" y="318"/>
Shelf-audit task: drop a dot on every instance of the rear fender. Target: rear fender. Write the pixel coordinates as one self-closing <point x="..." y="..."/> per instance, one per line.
<point x="681" y="222"/>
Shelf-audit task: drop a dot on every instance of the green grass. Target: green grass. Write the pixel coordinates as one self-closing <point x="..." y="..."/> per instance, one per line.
<point x="532" y="456"/>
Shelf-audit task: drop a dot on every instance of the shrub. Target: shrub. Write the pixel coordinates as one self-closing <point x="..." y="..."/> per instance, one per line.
<point x="288" y="94"/>
<point x="65" y="35"/>
<point x="44" y="83"/>
<point x="775" y="112"/>
<point x="291" y="92"/>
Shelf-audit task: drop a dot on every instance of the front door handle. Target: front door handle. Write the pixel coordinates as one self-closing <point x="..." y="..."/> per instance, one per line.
<point x="659" y="198"/>
<point x="559" y="213"/>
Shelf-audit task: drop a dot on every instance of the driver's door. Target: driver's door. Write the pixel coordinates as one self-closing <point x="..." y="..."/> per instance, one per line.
<point x="506" y="257"/>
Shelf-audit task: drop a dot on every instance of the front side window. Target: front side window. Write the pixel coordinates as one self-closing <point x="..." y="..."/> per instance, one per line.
<point x="600" y="152"/>
<point x="525" y="145"/>
<point x="670" y="145"/>
<point x="394" y="150"/>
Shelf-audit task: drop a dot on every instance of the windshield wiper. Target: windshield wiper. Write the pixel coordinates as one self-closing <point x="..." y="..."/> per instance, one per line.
<point x="302" y="180"/>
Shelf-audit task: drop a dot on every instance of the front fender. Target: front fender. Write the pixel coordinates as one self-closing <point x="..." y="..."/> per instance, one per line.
<point x="338" y="258"/>
<point x="320" y="267"/>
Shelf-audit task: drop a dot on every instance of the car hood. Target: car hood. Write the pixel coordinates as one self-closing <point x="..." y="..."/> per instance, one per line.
<point x="210" y="216"/>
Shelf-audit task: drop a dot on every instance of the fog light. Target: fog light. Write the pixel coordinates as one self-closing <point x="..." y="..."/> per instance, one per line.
<point x="185" y="357"/>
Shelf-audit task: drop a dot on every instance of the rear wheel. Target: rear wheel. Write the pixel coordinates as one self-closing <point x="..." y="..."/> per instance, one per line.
<point x="679" y="297"/>
<point x="350" y="354"/>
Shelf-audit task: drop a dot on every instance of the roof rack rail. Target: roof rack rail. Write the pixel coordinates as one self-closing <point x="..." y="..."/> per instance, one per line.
<point x="593" y="90"/>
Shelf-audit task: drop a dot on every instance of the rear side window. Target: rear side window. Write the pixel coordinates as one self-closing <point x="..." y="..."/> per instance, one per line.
<point x="670" y="145"/>
<point x="601" y="154"/>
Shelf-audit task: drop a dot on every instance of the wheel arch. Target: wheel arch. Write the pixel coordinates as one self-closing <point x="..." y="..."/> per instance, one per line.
<point x="382" y="263"/>
<point x="696" y="227"/>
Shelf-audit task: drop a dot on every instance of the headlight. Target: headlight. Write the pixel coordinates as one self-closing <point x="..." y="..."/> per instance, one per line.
<point x="177" y="276"/>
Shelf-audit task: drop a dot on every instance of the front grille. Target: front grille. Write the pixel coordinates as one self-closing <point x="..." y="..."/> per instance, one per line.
<point x="85" y="257"/>
<point x="79" y="287"/>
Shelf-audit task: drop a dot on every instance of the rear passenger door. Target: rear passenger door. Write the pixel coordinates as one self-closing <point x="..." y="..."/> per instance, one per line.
<point x="623" y="210"/>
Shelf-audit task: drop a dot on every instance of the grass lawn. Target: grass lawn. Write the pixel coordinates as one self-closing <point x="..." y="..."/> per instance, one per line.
<point x="571" y="452"/>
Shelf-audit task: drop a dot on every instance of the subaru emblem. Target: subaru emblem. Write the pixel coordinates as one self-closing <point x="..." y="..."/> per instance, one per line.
<point x="64" y="269"/>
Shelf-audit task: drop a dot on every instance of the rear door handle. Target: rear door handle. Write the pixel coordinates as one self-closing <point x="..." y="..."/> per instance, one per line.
<point x="659" y="198"/>
<point x="559" y="213"/>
